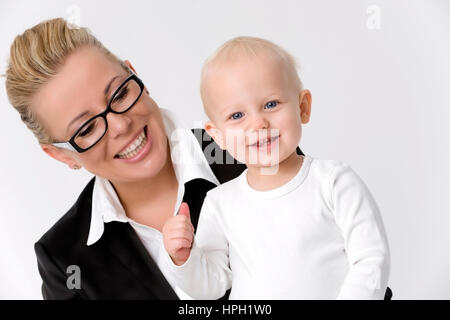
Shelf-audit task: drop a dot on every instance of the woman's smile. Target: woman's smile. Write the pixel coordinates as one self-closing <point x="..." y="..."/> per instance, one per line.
<point x="137" y="149"/>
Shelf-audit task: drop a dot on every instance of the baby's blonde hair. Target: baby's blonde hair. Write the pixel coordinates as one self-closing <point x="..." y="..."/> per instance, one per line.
<point x="252" y="46"/>
<point x="35" y="57"/>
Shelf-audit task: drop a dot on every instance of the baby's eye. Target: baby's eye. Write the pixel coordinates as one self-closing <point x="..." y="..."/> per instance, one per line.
<point x="237" y="115"/>
<point x="271" y="104"/>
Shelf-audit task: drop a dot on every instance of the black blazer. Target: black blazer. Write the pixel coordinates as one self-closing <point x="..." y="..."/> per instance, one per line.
<point x="117" y="266"/>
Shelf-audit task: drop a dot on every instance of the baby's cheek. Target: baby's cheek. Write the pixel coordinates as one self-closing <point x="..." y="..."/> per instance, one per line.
<point x="297" y="133"/>
<point x="290" y="137"/>
<point x="236" y="146"/>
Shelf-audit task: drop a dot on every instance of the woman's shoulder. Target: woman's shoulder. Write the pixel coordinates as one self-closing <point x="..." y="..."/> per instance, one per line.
<point x="73" y="226"/>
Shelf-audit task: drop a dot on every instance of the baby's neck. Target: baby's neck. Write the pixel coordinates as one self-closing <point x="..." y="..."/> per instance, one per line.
<point x="264" y="179"/>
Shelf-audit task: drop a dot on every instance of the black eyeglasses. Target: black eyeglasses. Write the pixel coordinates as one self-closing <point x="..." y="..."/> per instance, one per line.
<point x="93" y="130"/>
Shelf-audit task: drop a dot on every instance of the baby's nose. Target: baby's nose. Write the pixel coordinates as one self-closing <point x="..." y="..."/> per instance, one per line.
<point x="259" y="122"/>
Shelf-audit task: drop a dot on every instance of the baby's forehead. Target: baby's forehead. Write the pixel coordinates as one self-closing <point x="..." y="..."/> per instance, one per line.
<point x="243" y="57"/>
<point x="232" y="81"/>
<point x="263" y="70"/>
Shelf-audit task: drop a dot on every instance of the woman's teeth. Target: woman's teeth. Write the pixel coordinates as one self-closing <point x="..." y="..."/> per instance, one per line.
<point x="135" y="147"/>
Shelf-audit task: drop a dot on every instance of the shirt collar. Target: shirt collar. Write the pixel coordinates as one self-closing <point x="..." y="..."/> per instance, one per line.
<point x="188" y="161"/>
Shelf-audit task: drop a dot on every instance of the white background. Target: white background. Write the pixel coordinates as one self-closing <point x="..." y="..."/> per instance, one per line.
<point x="380" y="102"/>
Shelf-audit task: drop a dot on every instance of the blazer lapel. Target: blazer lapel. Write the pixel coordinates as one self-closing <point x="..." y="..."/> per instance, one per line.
<point x="124" y="243"/>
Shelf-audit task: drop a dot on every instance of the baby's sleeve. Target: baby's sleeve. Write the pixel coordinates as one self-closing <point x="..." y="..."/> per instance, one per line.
<point x="358" y="217"/>
<point x="206" y="274"/>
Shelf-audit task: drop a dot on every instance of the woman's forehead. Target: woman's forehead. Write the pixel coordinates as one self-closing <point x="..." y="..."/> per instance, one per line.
<point x="78" y="86"/>
<point x="87" y="63"/>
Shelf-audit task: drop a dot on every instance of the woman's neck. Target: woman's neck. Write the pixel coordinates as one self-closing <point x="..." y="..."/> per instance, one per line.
<point x="137" y="196"/>
<point x="264" y="179"/>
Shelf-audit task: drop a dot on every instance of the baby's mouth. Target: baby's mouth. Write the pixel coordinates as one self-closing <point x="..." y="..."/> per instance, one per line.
<point x="134" y="147"/>
<point x="264" y="142"/>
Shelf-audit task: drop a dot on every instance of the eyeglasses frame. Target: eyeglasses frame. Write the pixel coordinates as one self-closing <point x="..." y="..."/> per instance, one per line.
<point x="72" y="146"/>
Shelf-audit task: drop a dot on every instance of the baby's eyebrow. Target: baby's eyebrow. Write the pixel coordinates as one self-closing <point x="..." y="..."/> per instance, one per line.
<point x="227" y="112"/>
<point x="230" y="109"/>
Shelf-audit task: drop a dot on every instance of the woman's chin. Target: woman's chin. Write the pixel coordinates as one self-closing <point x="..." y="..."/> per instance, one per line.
<point x="148" y="166"/>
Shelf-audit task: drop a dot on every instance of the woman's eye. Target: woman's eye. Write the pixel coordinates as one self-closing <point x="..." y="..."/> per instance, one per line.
<point x="121" y="94"/>
<point x="271" y="104"/>
<point x="87" y="131"/>
<point x="237" y="115"/>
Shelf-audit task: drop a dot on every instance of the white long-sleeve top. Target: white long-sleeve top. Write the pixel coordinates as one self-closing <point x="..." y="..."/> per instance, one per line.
<point x="319" y="236"/>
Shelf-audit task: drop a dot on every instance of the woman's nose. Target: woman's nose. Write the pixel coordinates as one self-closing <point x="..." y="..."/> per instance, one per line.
<point x="117" y="124"/>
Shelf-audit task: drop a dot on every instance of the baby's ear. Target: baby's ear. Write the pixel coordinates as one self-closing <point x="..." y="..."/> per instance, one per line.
<point x="215" y="133"/>
<point x="305" y="105"/>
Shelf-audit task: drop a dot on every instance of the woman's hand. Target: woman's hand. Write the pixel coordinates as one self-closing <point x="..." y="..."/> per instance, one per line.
<point x="178" y="234"/>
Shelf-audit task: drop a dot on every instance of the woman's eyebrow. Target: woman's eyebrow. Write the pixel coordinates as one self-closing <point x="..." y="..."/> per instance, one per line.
<point x="81" y="115"/>
<point x="107" y="88"/>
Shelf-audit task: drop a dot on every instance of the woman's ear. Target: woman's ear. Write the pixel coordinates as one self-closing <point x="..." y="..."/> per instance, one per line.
<point x="305" y="101"/>
<point x="129" y="65"/>
<point x="60" y="155"/>
<point x="216" y="134"/>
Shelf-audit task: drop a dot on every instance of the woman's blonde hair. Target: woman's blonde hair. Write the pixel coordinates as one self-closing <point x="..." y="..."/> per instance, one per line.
<point x="35" y="57"/>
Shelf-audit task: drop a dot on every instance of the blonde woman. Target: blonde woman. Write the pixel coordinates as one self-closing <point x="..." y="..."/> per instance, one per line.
<point x="89" y="109"/>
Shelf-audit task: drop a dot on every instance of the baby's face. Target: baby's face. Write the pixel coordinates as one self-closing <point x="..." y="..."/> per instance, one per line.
<point x="256" y="109"/>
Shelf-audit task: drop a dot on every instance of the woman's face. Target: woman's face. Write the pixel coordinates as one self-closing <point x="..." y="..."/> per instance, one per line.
<point x="81" y="90"/>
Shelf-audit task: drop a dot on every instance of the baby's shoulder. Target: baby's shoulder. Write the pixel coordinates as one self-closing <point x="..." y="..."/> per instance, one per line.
<point x="228" y="188"/>
<point x="331" y="173"/>
<point x="220" y="195"/>
<point x="325" y="168"/>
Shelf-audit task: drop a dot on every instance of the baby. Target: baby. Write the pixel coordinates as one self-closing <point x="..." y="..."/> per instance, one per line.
<point x="290" y="226"/>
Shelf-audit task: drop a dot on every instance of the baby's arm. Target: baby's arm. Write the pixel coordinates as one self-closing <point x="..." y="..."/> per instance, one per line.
<point x="201" y="269"/>
<point x="359" y="219"/>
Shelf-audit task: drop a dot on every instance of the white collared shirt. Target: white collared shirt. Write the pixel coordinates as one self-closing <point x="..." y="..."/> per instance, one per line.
<point x="189" y="163"/>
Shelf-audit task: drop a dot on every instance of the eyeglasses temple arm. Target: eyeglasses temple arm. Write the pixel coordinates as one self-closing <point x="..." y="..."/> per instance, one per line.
<point x="64" y="145"/>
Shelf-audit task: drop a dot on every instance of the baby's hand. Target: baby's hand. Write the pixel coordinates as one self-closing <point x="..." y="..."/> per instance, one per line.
<point x="178" y="234"/>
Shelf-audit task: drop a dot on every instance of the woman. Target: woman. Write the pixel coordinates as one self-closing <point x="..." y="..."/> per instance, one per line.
<point x="89" y="109"/>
